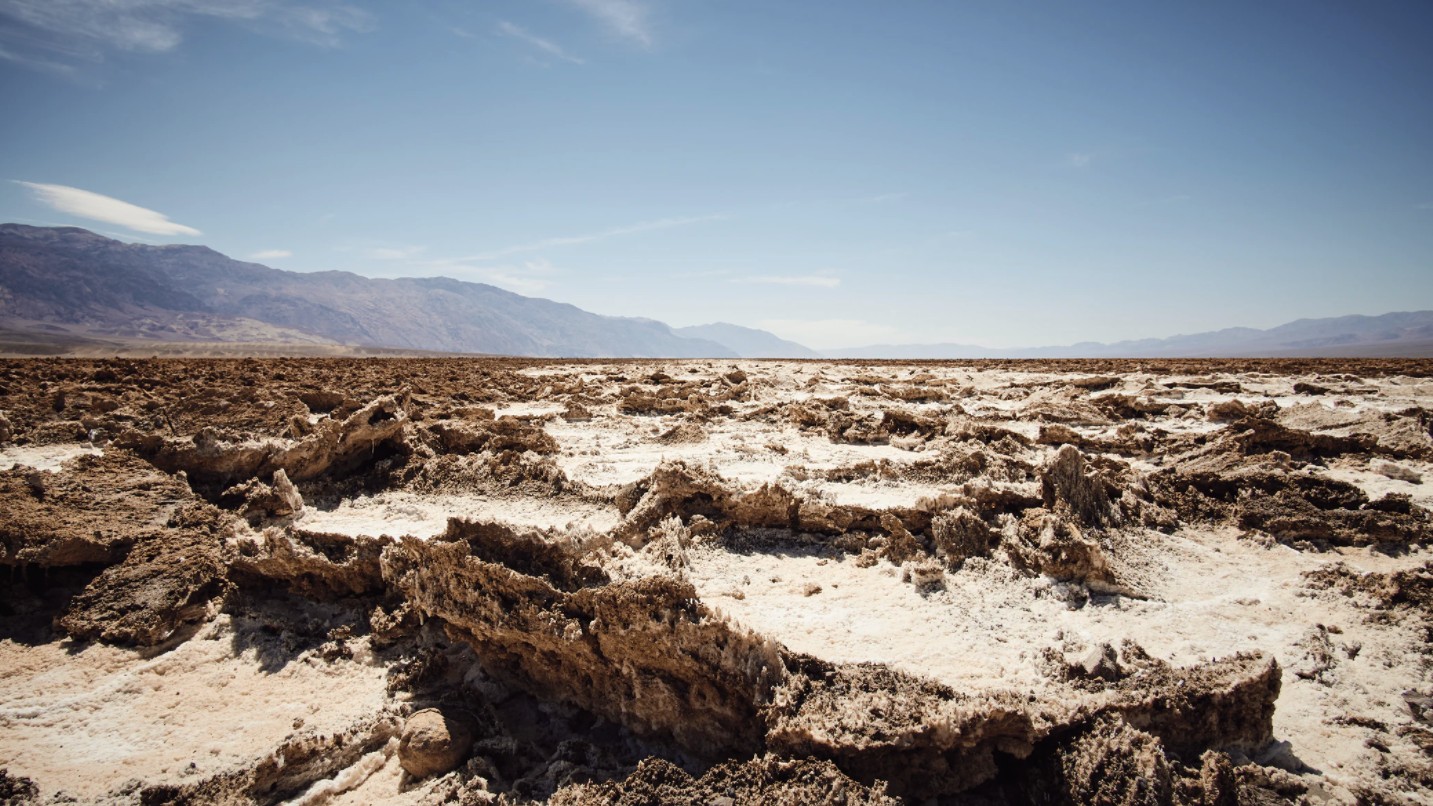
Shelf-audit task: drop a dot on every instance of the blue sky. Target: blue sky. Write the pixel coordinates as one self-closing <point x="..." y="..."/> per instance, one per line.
<point x="841" y="173"/>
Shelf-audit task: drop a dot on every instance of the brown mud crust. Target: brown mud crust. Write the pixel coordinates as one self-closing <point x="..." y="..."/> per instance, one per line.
<point x="713" y="582"/>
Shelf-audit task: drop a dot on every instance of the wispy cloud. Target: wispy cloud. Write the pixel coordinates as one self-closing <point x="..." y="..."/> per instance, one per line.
<point x="545" y="45"/>
<point x="809" y="280"/>
<point x="527" y="277"/>
<point x="271" y="254"/>
<point x="570" y="240"/>
<point x="1080" y="159"/>
<point x="1424" y="206"/>
<point x="55" y="35"/>
<point x="626" y="18"/>
<point x="828" y="333"/>
<point x="393" y="252"/>
<point x="98" y="207"/>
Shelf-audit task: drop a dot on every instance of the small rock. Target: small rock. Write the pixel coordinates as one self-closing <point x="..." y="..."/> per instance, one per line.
<point x="433" y="743"/>
<point x="1101" y="662"/>
<point x="1397" y="472"/>
<point x="1420" y="705"/>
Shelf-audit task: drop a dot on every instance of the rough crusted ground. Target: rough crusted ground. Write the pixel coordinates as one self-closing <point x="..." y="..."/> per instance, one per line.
<point x="714" y="582"/>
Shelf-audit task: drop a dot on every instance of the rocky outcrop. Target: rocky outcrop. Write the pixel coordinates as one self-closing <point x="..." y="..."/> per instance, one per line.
<point x="336" y="448"/>
<point x="759" y="780"/>
<point x="433" y="742"/>
<point x="165" y="581"/>
<point x="929" y="740"/>
<point x="646" y="654"/>
<point x="315" y="564"/>
<point x="92" y="511"/>
<point x="1070" y="487"/>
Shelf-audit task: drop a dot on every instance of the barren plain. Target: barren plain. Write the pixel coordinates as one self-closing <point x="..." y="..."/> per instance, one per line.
<point x="715" y="582"/>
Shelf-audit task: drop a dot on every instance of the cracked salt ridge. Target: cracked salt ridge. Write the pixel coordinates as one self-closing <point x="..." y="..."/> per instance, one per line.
<point x="84" y="721"/>
<point x="45" y="457"/>
<point x="425" y="516"/>
<point x="1212" y="594"/>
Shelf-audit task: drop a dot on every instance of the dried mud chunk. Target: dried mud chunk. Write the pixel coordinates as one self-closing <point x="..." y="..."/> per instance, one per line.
<point x="16" y="790"/>
<point x="766" y="780"/>
<point x="559" y="563"/>
<point x="1223" y="703"/>
<point x="1048" y="544"/>
<point x="576" y="413"/>
<point x="1094" y="383"/>
<point x="878" y="724"/>
<point x="1397" y="472"/>
<point x="260" y="501"/>
<point x="927" y="576"/>
<point x="1255" y="435"/>
<point x="433" y="743"/>
<point x="1318" y="658"/>
<point x="165" y="581"/>
<point x="902" y="546"/>
<point x="959" y="535"/>
<point x="318" y="565"/>
<point x="1231" y="411"/>
<point x="1112" y="763"/>
<point x="1125" y="407"/>
<point x="91" y="511"/>
<point x="906" y="423"/>
<point x="1057" y="434"/>
<point x="1067" y="485"/>
<point x="336" y="448"/>
<point x="501" y="434"/>
<point x="683" y="434"/>
<point x="645" y="654"/>
<point x="1291" y="518"/>
<point x="686" y="492"/>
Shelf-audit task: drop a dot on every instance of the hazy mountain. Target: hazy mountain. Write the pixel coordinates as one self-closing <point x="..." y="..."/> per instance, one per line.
<point x="747" y="342"/>
<point x="74" y="283"/>
<point x="1408" y="334"/>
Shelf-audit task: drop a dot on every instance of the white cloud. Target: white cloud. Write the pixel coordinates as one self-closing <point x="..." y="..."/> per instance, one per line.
<point x="569" y="240"/>
<point x="1080" y="160"/>
<point x="810" y="280"/>
<point x="55" y="34"/>
<point x="828" y="333"/>
<point x="97" y="207"/>
<point x="626" y="18"/>
<point x="546" y="46"/>
<point x="271" y="254"/>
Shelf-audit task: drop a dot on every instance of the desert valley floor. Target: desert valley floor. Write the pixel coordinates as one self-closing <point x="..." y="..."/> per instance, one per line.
<point x="713" y="582"/>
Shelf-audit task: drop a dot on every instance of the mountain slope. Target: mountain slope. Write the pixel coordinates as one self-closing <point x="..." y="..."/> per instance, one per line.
<point x="94" y="286"/>
<point x="1402" y="335"/>
<point x="747" y="342"/>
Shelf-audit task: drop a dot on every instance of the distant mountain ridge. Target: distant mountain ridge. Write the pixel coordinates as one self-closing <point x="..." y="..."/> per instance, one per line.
<point x="87" y="285"/>
<point x="748" y="342"/>
<point x="1406" y="334"/>
<point x="65" y="288"/>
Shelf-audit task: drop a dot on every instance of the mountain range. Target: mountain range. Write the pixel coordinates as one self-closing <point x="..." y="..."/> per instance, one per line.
<point x="92" y="287"/>
<point x="1404" y="334"/>
<point x="69" y="290"/>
